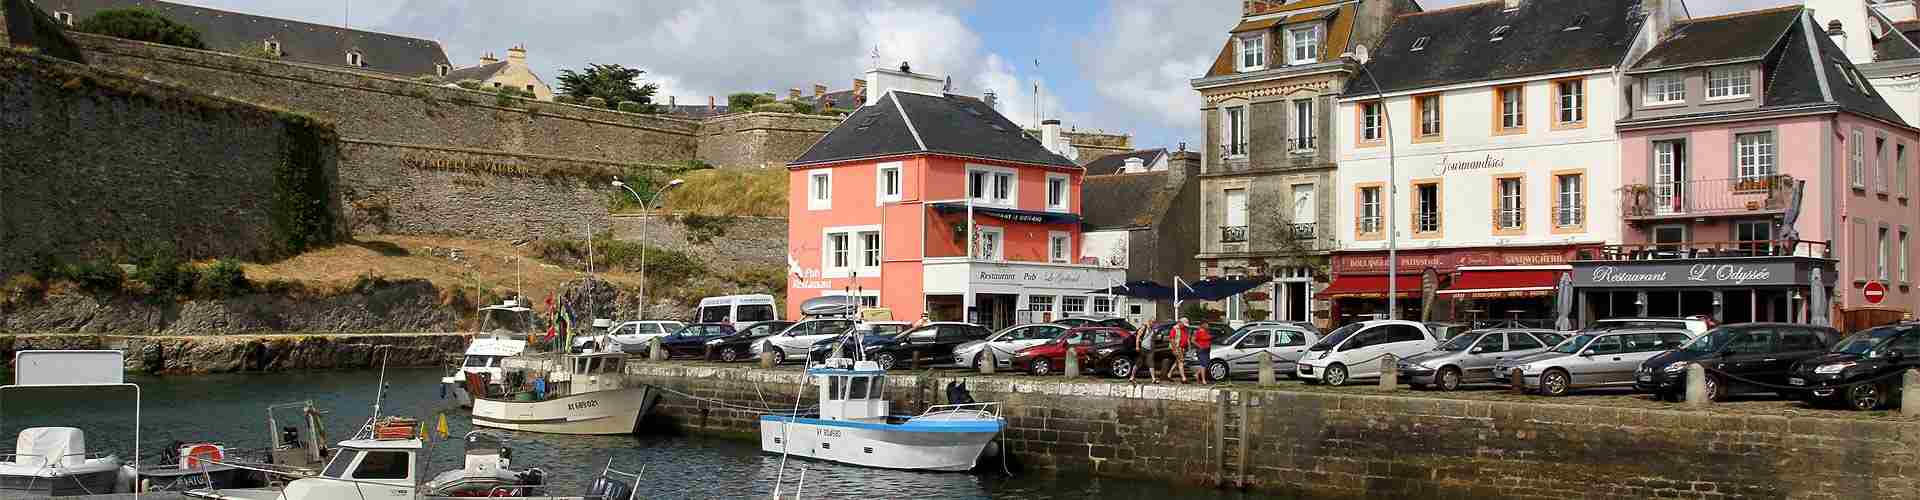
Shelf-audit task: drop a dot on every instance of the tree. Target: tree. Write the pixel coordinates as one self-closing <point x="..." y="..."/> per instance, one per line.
<point x="610" y="82"/>
<point x="143" y="25"/>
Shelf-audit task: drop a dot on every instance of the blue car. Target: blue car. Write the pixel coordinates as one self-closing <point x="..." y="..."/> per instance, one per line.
<point x="691" y="341"/>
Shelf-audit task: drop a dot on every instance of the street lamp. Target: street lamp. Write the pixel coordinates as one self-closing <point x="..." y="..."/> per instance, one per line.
<point x="646" y="203"/>
<point x="1393" y="187"/>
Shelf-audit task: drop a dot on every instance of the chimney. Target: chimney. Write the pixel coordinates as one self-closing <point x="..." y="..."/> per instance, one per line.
<point x="488" y="58"/>
<point x="517" y="54"/>
<point x="993" y="101"/>
<point x="1837" y="33"/>
<point x="1512" y="4"/>
<point x="1182" y="165"/>
<point x="671" y="103"/>
<point x="887" y="80"/>
<point x="711" y="108"/>
<point x="819" y="91"/>
<point x="1050" y="135"/>
<point x="860" y="90"/>
<point x="1660" y="14"/>
<point x="793" y="94"/>
<point x="1134" y="165"/>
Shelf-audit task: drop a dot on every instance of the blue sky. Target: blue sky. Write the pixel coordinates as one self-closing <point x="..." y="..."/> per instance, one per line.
<point x="1118" y="66"/>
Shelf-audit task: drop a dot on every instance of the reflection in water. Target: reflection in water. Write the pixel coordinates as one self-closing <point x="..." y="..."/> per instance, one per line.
<point x="231" y="409"/>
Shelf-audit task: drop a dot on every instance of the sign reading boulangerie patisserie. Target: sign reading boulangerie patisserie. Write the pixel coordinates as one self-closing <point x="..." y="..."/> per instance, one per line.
<point x="1645" y="274"/>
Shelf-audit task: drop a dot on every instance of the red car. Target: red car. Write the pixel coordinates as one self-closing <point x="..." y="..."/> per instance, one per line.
<point x="1100" y="349"/>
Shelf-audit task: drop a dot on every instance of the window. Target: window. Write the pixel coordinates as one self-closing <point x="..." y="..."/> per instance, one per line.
<point x="1798" y="339"/>
<point x="1862" y="253"/>
<point x="1755" y="156"/>
<point x="1491" y="343"/>
<point x="1059" y="246"/>
<point x="991" y="241"/>
<point x="273" y="47"/>
<point x="1429" y="111"/>
<point x="1370" y="121"/>
<point x="820" y="190"/>
<point x="1057" y="191"/>
<point x="1420" y="44"/>
<point x="1669" y="237"/>
<point x="341" y="459"/>
<point x="1236" y="215"/>
<point x="1304" y="45"/>
<point x="1729" y="83"/>
<point x="889" y="180"/>
<point x="1856" y="161"/>
<point x="1369" y="223"/>
<point x="1499" y="33"/>
<point x="991" y="185"/>
<point x="1573" y="101"/>
<point x="1606" y="345"/>
<point x="354" y="59"/>
<point x="1666" y="89"/>
<point x="1900" y="169"/>
<point x="1513" y="109"/>
<point x="839" y="251"/>
<point x="1884" y="262"/>
<point x="1901" y="257"/>
<point x="1102" y="305"/>
<point x="1879" y="160"/>
<point x="1669" y="176"/>
<point x="64" y="17"/>
<point x="1754" y="235"/>
<point x="1253" y="52"/>
<point x="442" y="70"/>
<point x="1303" y="124"/>
<point x="1073" y="305"/>
<point x="1426" y="210"/>
<point x="1510" y="216"/>
<point x="1041" y="303"/>
<point x="1517" y="341"/>
<point x="870" y="249"/>
<point x="383" y="465"/>
<point x="1236" y="131"/>
<point x="1570" y="199"/>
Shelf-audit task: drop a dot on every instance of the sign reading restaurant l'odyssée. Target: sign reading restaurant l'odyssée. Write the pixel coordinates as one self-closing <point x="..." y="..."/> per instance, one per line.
<point x="1682" y="273"/>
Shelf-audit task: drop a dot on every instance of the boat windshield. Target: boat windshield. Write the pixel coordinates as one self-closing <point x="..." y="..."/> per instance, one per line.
<point x="1459" y="343"/>
<point x="1860" y="343"/>
<point x="1574" y="345"/>
<point x="483" y="361"/>
<point x="1336" y="337"/>
<point x="338" y="467"/>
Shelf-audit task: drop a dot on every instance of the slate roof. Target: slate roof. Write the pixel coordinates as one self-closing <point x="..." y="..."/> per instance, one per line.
<point x="1111" y="164"/>
<point x="1460" y="47"/>
<point x="310" y="43"/>
<point x="1339" y="33"/>
<point x="479" y="73"/>
<point x="1738" y="37"/>
<point x="1901" y="43"/>
<point x="1123" y="201"/>
<point x="908" y="123"/>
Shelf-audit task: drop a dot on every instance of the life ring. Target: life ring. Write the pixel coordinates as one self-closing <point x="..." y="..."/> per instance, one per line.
<point x="194" y="455"/>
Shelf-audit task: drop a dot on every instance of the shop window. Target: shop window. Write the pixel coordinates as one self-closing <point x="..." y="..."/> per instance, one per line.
<point x="1754" y="235"/>
<point x="1670" y="237"/>
<point x="1042" y="304"/>
<point x="1073" y="305"/>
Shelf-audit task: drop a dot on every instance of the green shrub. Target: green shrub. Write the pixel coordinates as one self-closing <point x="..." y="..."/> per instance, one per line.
<point x="224" y="278"/>
<point x="505" y="98"/>
<point x="469" y="84"/>
<point x="596" y="102"/>
<point x="631" y="107"/>
<point x="23" y="287"/>
<point x="742" y="101"/>
<point x="143" y="25"/>
<point x="773" y="107"/>
<point x="702" y="229"/>
<point x="664" y="267"/>
<point x="429" y="79"/>
<point x="161" y="269"/>
<point x="802" y="107"/>
<point x="94" y="276"/>
<point x="302" y="190"/>
<point x="565" y="99"/>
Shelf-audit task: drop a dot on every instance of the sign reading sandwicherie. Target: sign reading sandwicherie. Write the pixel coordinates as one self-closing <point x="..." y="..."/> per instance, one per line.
<point x="1689" y="273"/>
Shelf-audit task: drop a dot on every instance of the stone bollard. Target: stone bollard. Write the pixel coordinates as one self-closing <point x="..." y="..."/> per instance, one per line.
<point x="1910" y="393"/>
<point x="654" y="351"/>
<point x="766" y="358"/>
<point x="1519" y="382"/>
<point x="916" y="359"/>
<point x="987" y="362"/>
<point x="1696" y="386"/>
<point x="706" y="354"/>
<point x="1266" y="368"/>
<point x="1073" y="362"/>
<point x="1389" y="373"/>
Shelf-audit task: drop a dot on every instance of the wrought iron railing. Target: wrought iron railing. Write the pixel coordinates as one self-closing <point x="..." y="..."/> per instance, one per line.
<point x="1301" y="230"/>
<point x="1369" y="225"/>
<point x="1426" y="222"/>
<point x="1303" y="144"/>
<point x="1233" y="234"/>
<point x="1700" y="197"/>
<point x="1234" y="148"/>
<point x="1569" y="215"/>
<point x="1707" y="249"/>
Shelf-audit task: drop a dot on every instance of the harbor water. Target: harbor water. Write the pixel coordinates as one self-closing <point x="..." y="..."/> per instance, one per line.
<point x="231" y="409"/>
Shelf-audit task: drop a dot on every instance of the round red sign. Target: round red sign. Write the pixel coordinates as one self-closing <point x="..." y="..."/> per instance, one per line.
<point x="1875" y="292"/>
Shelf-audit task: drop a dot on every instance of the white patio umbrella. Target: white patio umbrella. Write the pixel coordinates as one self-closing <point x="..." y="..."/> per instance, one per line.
<point x="1563" y="300"/>
<point x="1817" y="300"/>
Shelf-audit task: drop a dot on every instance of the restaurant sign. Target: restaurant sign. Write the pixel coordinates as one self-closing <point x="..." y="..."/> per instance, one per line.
<point x="1684" y="273"/>
<point x="1045" y="277"/>
<point x="1449" y="260"/>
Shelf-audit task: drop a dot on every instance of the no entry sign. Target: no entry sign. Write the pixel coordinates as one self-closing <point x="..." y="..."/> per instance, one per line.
<point x="1875" y="292"/>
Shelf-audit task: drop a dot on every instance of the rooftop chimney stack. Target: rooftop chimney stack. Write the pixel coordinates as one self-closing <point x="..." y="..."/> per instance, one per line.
<point x="488" y="58"/>
<point x="886" y="80"/>
<point x="993" y="101"/>
<point x="819" y="90"/>
<point x="1134" y="165"/>
<point x="1837" y="32"/>
<point x="1512" y="4"/>
<point x="517" y="54"/>
<point x="1050" y="135"/>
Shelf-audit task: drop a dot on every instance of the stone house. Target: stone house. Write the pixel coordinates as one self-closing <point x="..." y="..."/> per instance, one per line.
<point x="1266" y="175"/>
<point x="1138" y="214"/>
<point x="284" y="39"/>
<point x="513" y="73"/>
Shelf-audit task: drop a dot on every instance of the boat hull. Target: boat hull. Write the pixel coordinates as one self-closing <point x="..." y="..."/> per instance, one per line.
<point x="615" y="411"/>
<point x="873" y="445"/>
<point x="42" y="486"/>
<point x="458" y="391"/>
<point x="221" y="476"/>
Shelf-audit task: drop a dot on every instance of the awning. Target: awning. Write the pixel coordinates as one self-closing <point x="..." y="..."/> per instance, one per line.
<point x="1212" y="289"/>
<point x="1141" y="289"/>
<point x="1504" y="283"/>
<point x="1360" y="287"/>
<point x="1028" y="216"/>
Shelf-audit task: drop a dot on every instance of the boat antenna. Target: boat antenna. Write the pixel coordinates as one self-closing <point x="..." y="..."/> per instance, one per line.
<point x="380" y="392"/>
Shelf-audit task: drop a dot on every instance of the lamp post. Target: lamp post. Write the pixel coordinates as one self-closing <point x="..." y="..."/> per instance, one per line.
<point x="645" y="204"/>
<point x="1393" y="187"/>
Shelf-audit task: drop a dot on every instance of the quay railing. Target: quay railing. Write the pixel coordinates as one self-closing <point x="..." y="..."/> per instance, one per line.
<point x="1706" y="197"/>
<point x="1709" y="249"/>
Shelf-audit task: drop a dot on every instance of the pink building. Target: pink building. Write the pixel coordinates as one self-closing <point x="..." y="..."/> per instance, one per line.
<point x="883" y="205"/>
<point x="1725" y="119"/>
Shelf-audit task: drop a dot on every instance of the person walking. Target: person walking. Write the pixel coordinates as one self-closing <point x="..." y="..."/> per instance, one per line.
<point x="1143" y="343"/>
<point x="1177" y="339"/>
<point x="1202" y="342"/>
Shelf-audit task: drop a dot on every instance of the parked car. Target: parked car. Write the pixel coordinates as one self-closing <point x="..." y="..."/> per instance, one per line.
<point x="1694" y="325"/>
<point x="1004" y="344"/>
<point x="880" y="333"/>
<point x="735" y="347"/>
<point x="635" y="333"/>
<point x="689" y="341"/>
<point x="1354" y="351"/>
<point x="1593" y="358"/>
<point x="738" y="310"/>
<point x="1240" y="354"/>
<point x="1088" y="342"/>
<point x="1080" y="321"/>
<point x="1468" y="358"/>
<point x="793" y="344"/>
<point x="1874" y="354"/>
<point x="933" y="343"/>
<point x="1447" y="331"/>
<point x="1760" y="352"/>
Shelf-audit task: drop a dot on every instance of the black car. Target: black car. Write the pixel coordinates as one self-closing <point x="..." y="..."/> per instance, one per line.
<point x="1873" y="355"/>
<point x="934" y="343"/>
<point x="735" y="347"/>
<point x="692" y="339"/>
<point x="882" y="334"/>
<point x="1759" y="352"/>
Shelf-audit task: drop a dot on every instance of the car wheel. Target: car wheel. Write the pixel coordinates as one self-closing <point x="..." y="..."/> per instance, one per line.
<point x="589" y="346"/>
<point x="1042" y="367"/>
<point x="1449" y="379"/>
<point x="885" y="360"/>
<point x="1865" y="397"/>
<point x="1217" y="370"/>
<point x="1555" y="382"/>
<point x="779" y="356"/>
<point x="1715" y="390"/>
<point x="1120" y="367"/>
<point x="730" y="355"/>
<point x="980" y="361"/>
<point x="1336" y="375"/>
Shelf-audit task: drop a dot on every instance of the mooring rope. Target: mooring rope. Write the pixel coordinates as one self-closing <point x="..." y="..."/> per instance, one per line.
<point x="797" y="411"/>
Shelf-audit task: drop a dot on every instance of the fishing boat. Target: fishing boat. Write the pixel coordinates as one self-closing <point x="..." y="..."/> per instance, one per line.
<point x="854" y="426"/>
<point x="189" y="466"/>
<point x="562" y="393"/>
<point x="479" y="370"/>
<point x="54" y="462"/>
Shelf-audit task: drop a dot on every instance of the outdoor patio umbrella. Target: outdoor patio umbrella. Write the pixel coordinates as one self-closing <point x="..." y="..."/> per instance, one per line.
<point x="1140" y="289"/>
<point x="1789" y="232"/>
<point x="1563" y="303"/>
<point x="1211" y="289"/>
<point x="1817" y="301"/>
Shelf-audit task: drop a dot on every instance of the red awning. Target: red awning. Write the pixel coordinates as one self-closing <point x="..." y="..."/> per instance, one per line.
<point x="1369" y="287"/>
<point x="1504" y="283"/>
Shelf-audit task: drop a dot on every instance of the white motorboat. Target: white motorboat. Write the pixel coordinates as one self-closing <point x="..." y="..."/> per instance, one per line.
<point x="854" y="426"/>
<point x="479" y="369"/>
<point x="385" y="462"/>
<point x="53" y="462"/>
<point x="562" y="393"/>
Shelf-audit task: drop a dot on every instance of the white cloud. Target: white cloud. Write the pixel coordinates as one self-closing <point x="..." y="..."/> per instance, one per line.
<point x="1142" y="59"/>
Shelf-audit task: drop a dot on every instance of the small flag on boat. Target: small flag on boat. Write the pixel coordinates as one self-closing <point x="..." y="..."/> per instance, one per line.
<point x="423" y="432"/>
<point x="442" y="426"/>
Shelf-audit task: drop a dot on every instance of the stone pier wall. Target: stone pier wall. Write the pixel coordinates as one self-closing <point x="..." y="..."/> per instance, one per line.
<point x="1360" y="445"/>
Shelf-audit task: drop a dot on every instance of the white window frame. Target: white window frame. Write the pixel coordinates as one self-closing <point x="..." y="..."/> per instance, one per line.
<point x="816" y="199"/>
<point x="1227" y="208"/>
<point x="1576" y="106"/>
<point x="65" y="18"/>
<point x="1371" y="122"/>
<point x="1312" y="45"/>
<point x="1369" y="220"/>
<point x="1095" y="302"/>
<point x="1303" y="126"/>
<point x="1233" y="122"/>
<point x="1900" y="169"/>
<point x="1856" y="161"/>
<point x="1512" y="117"/>
<point x="1512" y="206"/>
<point x="1880" y="174"/>
<point x="1572" y="200"/>
<point x="1665" y="90"/>
<point x="856" y="251"/>
<point x="1254" y="46"/>
<point x="1051" y="311"/>
<point x="1729" y="83"/>
<point x="880" y="187"/>
<point x="830" y="266"/>
<point x="1078" y="311"/>
<point x="1756" y="160"/>
<point x="355" y="59"/>
<point x="273" y="47"/>
<point x="999" y="250"/>
<point x="873" y="252"/>
<point x="1066" y="192"/>
<point x="1904" y="250"/>
<point x="1883" y="264"/>
<point x="1056" y="252"/>
<point x="988" y="196"/>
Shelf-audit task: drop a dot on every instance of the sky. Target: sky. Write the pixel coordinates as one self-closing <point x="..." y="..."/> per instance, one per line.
<point x="1119" y="66"/>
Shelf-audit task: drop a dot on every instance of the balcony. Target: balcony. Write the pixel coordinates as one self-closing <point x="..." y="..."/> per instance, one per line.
<point x="1694" y="198"/>
<point x="1233" y="234"/>
<point x="1301" y="230"/>
<point x="1302" y="145"/>
<point x="1710" y="249"/>
<point x="1369" y="225"/>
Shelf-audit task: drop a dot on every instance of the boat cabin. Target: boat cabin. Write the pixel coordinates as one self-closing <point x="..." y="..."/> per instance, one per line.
<point x="548" y="376"/>
<point x="366" y="464"/>
<point x="852" y="391"/>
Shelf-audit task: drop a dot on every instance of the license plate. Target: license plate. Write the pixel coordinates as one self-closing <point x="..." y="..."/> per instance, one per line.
<point x="1797" y="381"/>
<point x="1646" y="378"/>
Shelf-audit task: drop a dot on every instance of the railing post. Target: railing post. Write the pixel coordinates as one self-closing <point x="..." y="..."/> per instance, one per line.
<point x="1696" y="386"/>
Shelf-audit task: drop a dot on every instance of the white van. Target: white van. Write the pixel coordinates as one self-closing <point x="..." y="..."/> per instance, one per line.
<point x="1354" y="351"/>
<point x="739" y="310"/>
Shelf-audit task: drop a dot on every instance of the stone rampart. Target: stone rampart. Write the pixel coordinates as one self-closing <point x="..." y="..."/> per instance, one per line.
<point x="760" y="140"/>
<point x="742" y="242"/>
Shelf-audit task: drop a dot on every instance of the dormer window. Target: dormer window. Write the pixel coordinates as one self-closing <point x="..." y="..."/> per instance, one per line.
<point x="442" y="69"/>
<point x="1303" y="45"/>
<point x="272" y="47"/>
<point x="1420" y="44"/>
<point x="1579" y="21"/>
<point x="64" y="17"/>
<point x="1666" y="89"/>
<point x="354" y="59"/>
<point x="1500" y="33"/>
<point x="1729" y="83"/>
<point x="1253" y="52"/>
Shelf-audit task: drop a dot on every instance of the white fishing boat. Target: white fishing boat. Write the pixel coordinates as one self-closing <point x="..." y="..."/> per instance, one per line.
<point x="854" y="426"/>
<point x="479" y="369"/>
<point x="560" y="393"/>
<point x="54" y="462"/>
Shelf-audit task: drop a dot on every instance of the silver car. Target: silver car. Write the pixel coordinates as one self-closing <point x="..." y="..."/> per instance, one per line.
<point x="1468" y="358"/>
<point x="1005" y="343"/>
<point x="1240" y="354"/>
<point x="1594" y="358"/>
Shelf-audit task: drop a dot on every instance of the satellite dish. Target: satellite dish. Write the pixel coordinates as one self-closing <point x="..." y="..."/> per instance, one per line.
<point x="1360" y="53"/>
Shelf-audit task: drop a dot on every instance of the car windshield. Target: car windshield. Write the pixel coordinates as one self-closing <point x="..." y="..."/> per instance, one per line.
<point x="1574" y="345"/>
<point x="1459" y="343"/>
<point x="1711" y="342"/>
<point x="1860" y="343"/>
<point x="1336" y="337"/>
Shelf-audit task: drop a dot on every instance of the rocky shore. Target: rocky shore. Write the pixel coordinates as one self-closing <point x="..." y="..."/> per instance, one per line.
<point x="387" y="306"/>
<point x="253" y="353"/>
